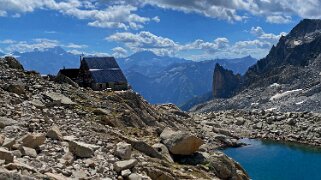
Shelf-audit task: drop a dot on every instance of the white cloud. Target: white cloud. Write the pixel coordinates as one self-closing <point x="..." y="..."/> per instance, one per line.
<point x="275" y="11"/>
<point x="145" y="41"/>
<point x="220" y="47"/>
<point x="7" y="41"/>
<point x="76" y="46"/>
<point x="24" y="46"/>
<point x="119" y="52"/>
<point x="259" y="32"/>
<point x="108" y="15"/>
<point x="277" y="19"/>
<point x="40" y="44"/>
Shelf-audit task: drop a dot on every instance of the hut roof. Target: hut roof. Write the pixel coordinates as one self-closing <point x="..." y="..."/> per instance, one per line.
<point x="104" y="69"/>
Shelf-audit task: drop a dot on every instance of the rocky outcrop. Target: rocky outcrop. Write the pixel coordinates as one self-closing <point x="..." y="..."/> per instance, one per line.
<point x="225" y="83"/>
<point x="293" y="64"/>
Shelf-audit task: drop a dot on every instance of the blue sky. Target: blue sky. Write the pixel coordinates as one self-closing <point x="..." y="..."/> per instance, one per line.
<point x="193" y="29"/>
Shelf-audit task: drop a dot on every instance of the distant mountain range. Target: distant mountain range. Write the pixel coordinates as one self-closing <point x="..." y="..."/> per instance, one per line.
<point x="174" y="80"/>
<point x="48" y="61"/>
<point x="159" y="79"/>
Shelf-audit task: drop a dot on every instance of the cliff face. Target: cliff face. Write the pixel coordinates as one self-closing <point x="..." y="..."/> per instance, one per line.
<point x="225" y="83"/>
<point x="298" y="50"/>
<point x="291" y="72"/>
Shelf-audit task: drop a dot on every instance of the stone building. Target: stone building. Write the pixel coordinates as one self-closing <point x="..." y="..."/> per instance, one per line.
<point x="98" y="73"/>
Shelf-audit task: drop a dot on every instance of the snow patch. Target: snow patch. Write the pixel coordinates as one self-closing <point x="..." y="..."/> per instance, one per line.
<point x="299" y="103"/>
<point x="286" y="93"/>
<point x="275" y="85"/>
<point x="297" y="42"/>
<point x="271" y="109"/>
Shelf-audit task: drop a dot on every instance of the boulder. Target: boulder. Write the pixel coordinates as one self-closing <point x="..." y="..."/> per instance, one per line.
<point x="157" y="174"/>
<point x="4" y="121"/>
<point x="225" y="168"/>
<point x="123" y="150"/>
<point x="135" y="176"/>
<point x="33" y="140"/>
<point x="81" y="149"/>
<point x="58" y="98"/>
<point x="16" y="88"/>
<point x="162" y="149"/>
<point x="9" y="142"/>
<point x="123" y="165"/>
<point x="180" y="142"/>
<point x="54" y="133"/>
<point x="37" y="103"/>
<point x="26" y="151"/>
<point x="2" y="138"/>
<point x="100" y="111"/>
<point x="6" y="155"/>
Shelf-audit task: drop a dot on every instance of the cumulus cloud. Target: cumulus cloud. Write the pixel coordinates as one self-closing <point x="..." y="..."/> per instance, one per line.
<point x="219" y="47"/>
<point x="108" y="15"/>
<point x="39" y="44"/>
<point x="259" y="32"/>
<point x="275" y="11"/>
<point x="76" y="46"/>
<point x="145" y="40"/>
<point x="119" y="52"/>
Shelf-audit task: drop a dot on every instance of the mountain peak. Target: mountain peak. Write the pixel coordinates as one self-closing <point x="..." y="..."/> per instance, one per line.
<point x="144" y="54"/>
<point x="305" y="26"/>
<point x="55" y="50"/>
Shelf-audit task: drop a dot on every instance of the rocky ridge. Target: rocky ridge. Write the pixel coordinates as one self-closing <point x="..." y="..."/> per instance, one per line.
<point x="58" y="131"/>
<point x="287" y="79"/>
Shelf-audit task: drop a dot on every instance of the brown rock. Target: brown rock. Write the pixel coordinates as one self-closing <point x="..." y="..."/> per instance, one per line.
<point x="179" y="142"/>
<point x="33" y="140"/>
<point x="6" y="155"/>
<point x="81" y="149"/>
<point x="54" y="133"/>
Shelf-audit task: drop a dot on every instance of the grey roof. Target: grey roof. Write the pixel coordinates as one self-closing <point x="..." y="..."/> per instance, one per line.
<point x="104" y="69"/>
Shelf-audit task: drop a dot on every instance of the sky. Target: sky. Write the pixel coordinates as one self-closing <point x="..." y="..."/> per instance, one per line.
<point x="191" y="29"/>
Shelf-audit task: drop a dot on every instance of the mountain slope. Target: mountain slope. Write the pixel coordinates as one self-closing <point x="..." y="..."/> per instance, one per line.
<point x="287" y="79"/>
<point x="147" y="63"/>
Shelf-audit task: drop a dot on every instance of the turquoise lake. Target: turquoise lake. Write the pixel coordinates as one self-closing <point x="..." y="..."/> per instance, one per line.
<point x="270" y="160"/>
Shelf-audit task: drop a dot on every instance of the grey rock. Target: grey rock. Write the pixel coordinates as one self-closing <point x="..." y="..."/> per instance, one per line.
<point x="123" y="165"/>
<point x="81" y="149"/>
<point x="123" y="150"/>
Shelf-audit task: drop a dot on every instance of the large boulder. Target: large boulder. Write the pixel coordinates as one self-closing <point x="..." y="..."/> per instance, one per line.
<point x="17" y="88"/>
<point x="225" y="168"/>
<point x="6" y="155"/>
<point x="81" y="149"/>
<point x="58" y="98"/>
<point x="54" y="133"/>
<point x="4" y="121"/>
<point x="33" y="140"/>
<point x="180" y="142"/>
<point x="123" y="150"/>
<point x="122" y="165"/>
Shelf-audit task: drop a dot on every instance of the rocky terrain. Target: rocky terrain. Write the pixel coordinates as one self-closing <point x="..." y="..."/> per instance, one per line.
<point x="286" y="80"/>
<point x="298" y="127"/>
<point x="61" y="131"/>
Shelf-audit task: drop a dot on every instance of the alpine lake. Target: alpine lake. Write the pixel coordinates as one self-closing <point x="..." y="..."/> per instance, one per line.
<point x="271" y="160"/>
